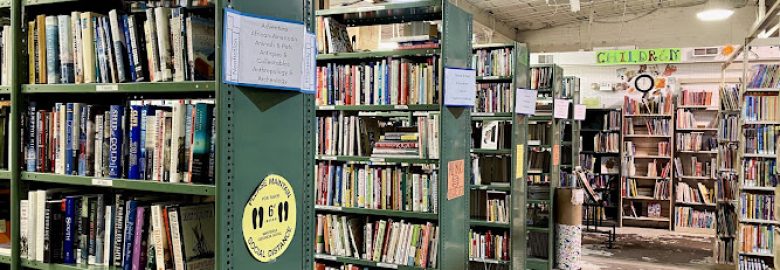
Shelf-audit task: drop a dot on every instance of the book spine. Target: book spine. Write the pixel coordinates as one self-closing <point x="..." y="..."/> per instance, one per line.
<point x="24" y="228"/>
<point x="142" y="143"/>
<point x="138" y="237"/>
<point x="157" y="237"/>
<point x="119" y="229"/>
<point x="115" y="143"/>
<point x="65" y="45"/>
<point x="177" y="164"/>
<point x="134" y="171"/>
<point x="88" y="41"/>
<point x="47" y="228"/>
<point x="92" y="244"/>
<point x="78" y="56"/>
<point x="70" y="233"/>
<point x="100" y="231"/>
<point x="108" y="46"/>
<point x="120" y="49"/>
<point x="178" y="253"/>
<point x="82" y="140"/>
<point x="127" y="261"/>
<point x="31" y="135"/>
<point x="42" y="44"/>
<point x="108" y="235"/>
<point x="161" y="15"/>
<point x="75" y="141"/>
<point x="83" y="228"/>
<point x="128" y="47"/>
<point x="137" y="44"/>
<point x="212" y="166"/>
<point x="188" y="121"/>
<point x="31" y="53"/>
<point x="200" y="144"/>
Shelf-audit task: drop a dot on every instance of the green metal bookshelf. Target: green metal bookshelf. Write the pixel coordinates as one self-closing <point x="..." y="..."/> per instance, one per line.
<point x="595" y="126"/>
<point x="512" y="186"/>
<point x="541" y="182"/>
<point x="452" y="221"/>
<point x="284" y="122"/>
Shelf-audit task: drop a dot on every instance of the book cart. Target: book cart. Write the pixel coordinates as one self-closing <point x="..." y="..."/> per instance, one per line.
<point x="439" y="218"/>
<point x="544" y="166"/>
<point x="495" y="175"/>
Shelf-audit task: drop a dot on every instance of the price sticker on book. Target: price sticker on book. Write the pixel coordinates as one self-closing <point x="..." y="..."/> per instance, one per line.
<point x="269" y="219"/>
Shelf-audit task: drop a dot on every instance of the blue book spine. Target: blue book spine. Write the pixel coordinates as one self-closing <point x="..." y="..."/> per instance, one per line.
<point x="32" y="148"/>
<point x="127" y="257"/>
<point x="82" y="156"/>
<point x="134" y="170"/>
<point x="115" y="141"/>
<point x="52" y="50"/>
<point x="142" y="143"/>
<point x="128" y="45"/>
<point x="70" y="230"/>
<point x="69" y="151"/>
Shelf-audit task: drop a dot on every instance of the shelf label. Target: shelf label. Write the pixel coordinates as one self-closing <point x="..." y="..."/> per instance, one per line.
<point x="460" y="87"/>
<point x="328" y="107"/>
<point x="370" y="8"/>
<point x="325" y="257"/>
<point x="328" y="207"/>
<point x="490" y="78"/>
<point x="387" y="265"/>
<point x="455" y="176"/>
<point x="376" y="159"/>
<point x="328" y="157"/>
<point x="102" y="182"/>
<point x="401" y="107"/>
<point x="525" y="101"/>
<point x="267" y="53"/>
<point x="561" y="108"/>
<point x="579" y="112"/>
<point x="269" y="219"/>
<point x="106" y="87"/>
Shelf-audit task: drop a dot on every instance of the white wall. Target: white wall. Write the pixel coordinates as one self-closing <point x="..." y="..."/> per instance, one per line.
<point x="668" y="27"/>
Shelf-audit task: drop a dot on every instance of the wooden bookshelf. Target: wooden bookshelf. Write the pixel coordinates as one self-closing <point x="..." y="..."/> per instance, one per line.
<point x="639" y="154"/>
<point x="490" y="78"/>
<point x="696" y="127"/>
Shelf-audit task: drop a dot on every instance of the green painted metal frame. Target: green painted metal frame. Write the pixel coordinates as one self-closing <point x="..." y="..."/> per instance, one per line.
<point x="576" y="125"/>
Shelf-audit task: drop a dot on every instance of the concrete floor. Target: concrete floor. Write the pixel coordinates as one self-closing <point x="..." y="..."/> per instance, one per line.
<point x="640" y="249"/>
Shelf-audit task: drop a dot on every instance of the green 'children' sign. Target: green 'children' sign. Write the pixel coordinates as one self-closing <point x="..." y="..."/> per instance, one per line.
<point x="638" y="56"/>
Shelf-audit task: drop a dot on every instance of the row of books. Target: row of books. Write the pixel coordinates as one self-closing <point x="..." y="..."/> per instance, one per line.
<point x="728" y="129"/>
<point x="760" y="173"/>
<point x="692" y="218"/>
<point x="761" y="108"/>
<point x="761" y="139"/>
<point x="753" y="263"/>
<point x="663" y="149"/>
<point x="695" y="141"/>
<point x="158" y="140"/>
<point x="758" y="239"/>
<point x="340" y="134"/>
<point x="539" y="160"/>
<point x="489" y="245"/>
<point x="348" y="266"/>
<point x="538" y="134"/>
<point x="687" y="120"/>
<point x="332" y="36"/>
<point x="764" y="76"/>
<point x="493" y="62"/>
<point x="757" y="206"/>
<point x="491" y="135"/>
<point x="699" y="194"/>
<point x="541" y="78"/>
<point x="724" y="251"/>
<point x="653" y="210"/>
<point x="659" y="190"/>
<point x="494" y="98"/>
<point x="86" y="47"/>
<point x="654" y="104"/>
<point x="538" y="179"/>
<point x="390" y="81"/>
<point x="63" y="226"/>
<point x="729" y="98"/>
<point x="490" y="169"/>
<point x="497" y="210"/>
<point x="695" y="167"/>
<point x="144" y="4"/>
<point x="611" y="121"/>
<point x="607" y="165"/>
<point x="606" y="143"/>
<point x="653" y="126"/>
<point x="376" y="187"/>
<point x="695" y="98"/>
<point x="601" y="181"/>
<point x="384" y="241"/>
<point x="727" y="186"/>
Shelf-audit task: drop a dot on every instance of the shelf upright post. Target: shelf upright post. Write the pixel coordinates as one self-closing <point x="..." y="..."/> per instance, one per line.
<point x="518" y="239"/>
<point x="13" y="163"/>
<point x="263" y="132"/>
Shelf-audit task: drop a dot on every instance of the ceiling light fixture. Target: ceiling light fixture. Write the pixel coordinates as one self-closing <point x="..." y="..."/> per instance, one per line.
<point x="716" y="10"/>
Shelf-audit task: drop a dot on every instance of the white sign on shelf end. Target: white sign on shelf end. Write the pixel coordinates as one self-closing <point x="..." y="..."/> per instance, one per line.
<point x="460" y="87"/>
<point x="525" y="101"/>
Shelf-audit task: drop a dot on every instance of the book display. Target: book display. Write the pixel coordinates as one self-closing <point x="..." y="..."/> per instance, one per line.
<point x="600" y="158"/>
<point x="496" y="132"/>
<point x="647" y="160"/>
<point x="695" y="161"/>
<point x="388" y="148"/>
<point x="546" y="137"/>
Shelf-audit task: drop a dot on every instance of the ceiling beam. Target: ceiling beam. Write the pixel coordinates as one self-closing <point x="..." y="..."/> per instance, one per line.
<point x="487" y="19"/>
<point x="760" y="25"/>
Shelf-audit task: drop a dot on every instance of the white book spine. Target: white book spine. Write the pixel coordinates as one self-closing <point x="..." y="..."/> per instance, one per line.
<point x="118" y="42"/>
<point x="177" y="143"/>
<point x="178" y="260"/>
<point x="40" y="212"/>
<point x="32" y="224"/>
<point x="66" y="54"/>
<point x="157" y="236"/>
<point x="24" y="228"/>
<point x="87" y="42"/>
<point x="152" y="50"/>
<point x="99" y="145"/>
<point x="161" y="15"/>
<point x="108" y="217"/>
<point x="76" y="46"/>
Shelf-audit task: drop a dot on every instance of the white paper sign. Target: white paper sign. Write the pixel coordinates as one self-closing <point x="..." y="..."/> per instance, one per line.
<point x="267" y="53"/>
<point x="561" y="108"/>
<point x="579" y="111"/>
<point x="460" y="87"/>
<point x="525" y="101"/>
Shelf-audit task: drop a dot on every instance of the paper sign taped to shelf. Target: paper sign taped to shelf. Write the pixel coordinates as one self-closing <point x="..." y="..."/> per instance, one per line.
<point x="387" y="265"/>
<point x="579" y="112"/>
<point x="102" y="182"/>
<point x="561" y="108"/>
<point x="106" y="87"/>
<point x="269" y="219"/>
<point x="556" y="155"/>
<point x="460" y="87"/>
<point x="519" y="161"/>
<point x="525" y="101"/>
<point x="268" y="53"/>
<point x="455" y="179"/>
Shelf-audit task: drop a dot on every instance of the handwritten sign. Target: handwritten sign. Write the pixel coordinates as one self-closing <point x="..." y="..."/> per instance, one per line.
<point x="579" y="112"/>
<point x="525" y="101"/>
<point x="561" y="110"/>
<point x="460" y="87"/>
<point x="455" y="176"/>
<point x="267" y="53"/>
<point x="556" y="155"/>
<point x="519" y="161"/>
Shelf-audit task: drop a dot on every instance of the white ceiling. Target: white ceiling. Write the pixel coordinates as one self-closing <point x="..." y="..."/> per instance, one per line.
<point x="537" y="14"/>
